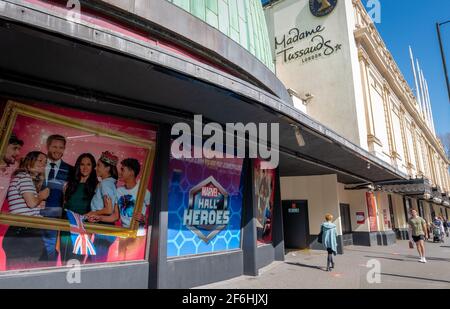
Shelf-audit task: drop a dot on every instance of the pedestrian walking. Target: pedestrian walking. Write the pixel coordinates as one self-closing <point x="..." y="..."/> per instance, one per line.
<point x="328" y="239"/>
<point x="446" y="227"/>
<point x="443" y="223"/>
<point x="417" y="233"/>
<point x="438" y="230"/>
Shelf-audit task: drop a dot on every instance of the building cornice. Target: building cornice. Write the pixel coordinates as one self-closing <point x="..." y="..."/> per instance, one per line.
<point x="373" y="51"/>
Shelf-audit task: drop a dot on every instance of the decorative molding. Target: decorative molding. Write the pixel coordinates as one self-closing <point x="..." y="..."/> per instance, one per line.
<point x="395" y="155"/>
<point x="367" y="36"/>
<point x="373" y="139"/>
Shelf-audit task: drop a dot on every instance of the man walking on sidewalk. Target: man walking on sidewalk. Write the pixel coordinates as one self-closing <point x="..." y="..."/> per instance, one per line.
<point x="417" y="233"/>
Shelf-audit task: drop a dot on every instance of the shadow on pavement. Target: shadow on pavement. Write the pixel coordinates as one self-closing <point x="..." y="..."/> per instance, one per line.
<point x="430" y="258"/>
<point x="385" y="258"/>
<point x="306" y="266"/>
<point x="368" y="251"/>
<point x="402" y="255"/>
<point x="417" y="278"/>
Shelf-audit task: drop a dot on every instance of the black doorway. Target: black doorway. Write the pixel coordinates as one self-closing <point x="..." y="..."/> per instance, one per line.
<point x="346" y="223"/>
<point x="296" y="224"/>
<point x="408" y="206"/>
<point x="421" y="211"/>
<point x="391" y="212"/>
<point x="345" y="219"/>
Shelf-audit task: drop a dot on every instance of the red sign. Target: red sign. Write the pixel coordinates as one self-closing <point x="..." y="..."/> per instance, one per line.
<point x="372" y="211"/>
<point x="264" y="182"/>
<point x="360" y="217"/>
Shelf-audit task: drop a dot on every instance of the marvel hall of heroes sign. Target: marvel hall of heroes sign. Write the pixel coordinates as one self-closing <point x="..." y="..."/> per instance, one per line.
<point x="205" y="204"/>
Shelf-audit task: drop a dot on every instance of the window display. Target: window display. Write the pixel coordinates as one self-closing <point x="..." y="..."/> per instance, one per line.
<point x="59" y="164"/>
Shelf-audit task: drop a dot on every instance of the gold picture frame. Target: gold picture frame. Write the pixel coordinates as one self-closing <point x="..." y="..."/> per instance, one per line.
<point x="14" y="109"/>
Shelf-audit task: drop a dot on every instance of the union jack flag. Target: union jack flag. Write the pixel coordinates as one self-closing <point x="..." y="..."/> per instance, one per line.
<point x="82" y="245"/>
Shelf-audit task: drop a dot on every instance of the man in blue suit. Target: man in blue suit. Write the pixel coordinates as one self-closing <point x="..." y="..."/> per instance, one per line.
<point x="57" y="174"/>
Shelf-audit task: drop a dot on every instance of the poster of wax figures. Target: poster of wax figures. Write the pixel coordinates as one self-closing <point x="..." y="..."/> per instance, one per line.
<point x="50" y="169"/>
<point x="205" y="206"/>
<point x="264" y="182"/>
<point x="372" y="211"/>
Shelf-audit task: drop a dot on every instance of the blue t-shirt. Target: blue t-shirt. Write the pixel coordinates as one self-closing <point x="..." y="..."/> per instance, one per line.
<point x="106" y="187"/>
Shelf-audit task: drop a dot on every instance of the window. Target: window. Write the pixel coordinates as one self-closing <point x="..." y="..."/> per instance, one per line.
<point x="74" y="185"/>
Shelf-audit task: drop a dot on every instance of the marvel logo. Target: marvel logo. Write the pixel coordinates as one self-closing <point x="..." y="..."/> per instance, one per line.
<point x="210" y="192"/>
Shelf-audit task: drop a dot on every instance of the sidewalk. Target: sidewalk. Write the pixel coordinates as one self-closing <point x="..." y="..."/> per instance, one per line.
<point x="399" y="269"/>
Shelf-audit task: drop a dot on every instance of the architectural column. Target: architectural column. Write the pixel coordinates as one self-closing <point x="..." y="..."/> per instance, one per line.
<point x="278" y="231"/>
<point x="158" y="271"/>
<point x="418" y="153"/>
<point x="403" y="135"/>
<point x="249" y="237"/>
<point x="366" y="91"/>
<point x="431" y="160"/>
<point x="388" y="116"/>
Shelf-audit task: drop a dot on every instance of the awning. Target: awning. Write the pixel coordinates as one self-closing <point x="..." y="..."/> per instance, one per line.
<point x="419" y="188"/>
<point x="436" y="196"/>
<point x="445" y="200"/>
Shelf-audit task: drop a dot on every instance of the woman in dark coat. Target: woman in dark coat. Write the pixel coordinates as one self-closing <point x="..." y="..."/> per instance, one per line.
<point x="78" y="195"/>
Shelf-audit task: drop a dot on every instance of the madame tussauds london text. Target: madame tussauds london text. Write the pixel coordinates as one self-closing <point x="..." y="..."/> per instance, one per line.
<point x="320" y="46"/>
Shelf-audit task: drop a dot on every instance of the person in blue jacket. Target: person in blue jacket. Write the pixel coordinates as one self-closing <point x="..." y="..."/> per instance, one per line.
<point x="328" y="231"/>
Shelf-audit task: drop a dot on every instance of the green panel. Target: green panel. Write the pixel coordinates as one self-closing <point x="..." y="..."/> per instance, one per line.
<point x="212" y="5"/>
<point x="234" y="17"/>
<point x="184" y="4"/>
<point x="241" y="20"/>
<point x="211" y="18"/>
<point x="224" y="18"/>
<point x="242" y="9"/>
<point x="198" y="8"/>
<point x="243" y="34"/>
<point x="234" y="35"/>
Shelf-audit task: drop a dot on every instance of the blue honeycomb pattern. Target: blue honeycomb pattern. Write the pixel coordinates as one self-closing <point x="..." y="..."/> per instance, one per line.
<point x="186" y="174"/>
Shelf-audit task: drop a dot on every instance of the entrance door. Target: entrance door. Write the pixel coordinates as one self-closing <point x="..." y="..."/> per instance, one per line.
<point x="346" y="225"/>
<point x="391" y="211"/>
<point x="408" y="207"/>
<point x="345" y="219"/>
<point x="421" y="211"/>
<point x="295" y="224"/>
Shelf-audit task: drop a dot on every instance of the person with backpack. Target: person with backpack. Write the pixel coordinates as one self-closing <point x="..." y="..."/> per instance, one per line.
<point x="327" y="238"/>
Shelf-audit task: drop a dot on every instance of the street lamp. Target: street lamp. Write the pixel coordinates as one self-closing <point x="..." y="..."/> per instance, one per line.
<point x="438" y="26"/>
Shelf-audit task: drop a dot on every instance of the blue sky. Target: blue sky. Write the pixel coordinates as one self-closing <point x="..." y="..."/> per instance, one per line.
<point x="413" y="22"/>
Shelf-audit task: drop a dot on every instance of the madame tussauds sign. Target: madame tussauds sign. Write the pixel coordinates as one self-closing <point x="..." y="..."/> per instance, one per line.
<point x="318" y="45"/>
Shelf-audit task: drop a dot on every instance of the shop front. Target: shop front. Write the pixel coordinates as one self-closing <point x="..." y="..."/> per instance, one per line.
<point x="99" y="98"/>
<point x="149" y="219"/>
